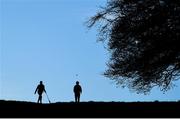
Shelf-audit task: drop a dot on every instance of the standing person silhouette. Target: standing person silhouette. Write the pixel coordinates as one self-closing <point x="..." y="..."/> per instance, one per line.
<point x="40" y="89"/>
<point x="77" y="91"/>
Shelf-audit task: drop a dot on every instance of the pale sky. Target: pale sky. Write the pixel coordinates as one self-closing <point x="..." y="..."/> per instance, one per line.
<point x="47" y="40"/>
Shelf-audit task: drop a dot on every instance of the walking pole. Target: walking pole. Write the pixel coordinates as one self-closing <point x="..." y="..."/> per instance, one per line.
<point x="48" y="98"/>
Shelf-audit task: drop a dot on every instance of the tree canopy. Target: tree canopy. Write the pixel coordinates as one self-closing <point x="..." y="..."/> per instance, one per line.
<point x="143" y="40"/>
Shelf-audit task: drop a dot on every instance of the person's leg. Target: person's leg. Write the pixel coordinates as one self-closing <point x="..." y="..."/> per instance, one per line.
<point x="79" y="98"/>
<point x="40" y="98"/>
<point x="76" y="98"/>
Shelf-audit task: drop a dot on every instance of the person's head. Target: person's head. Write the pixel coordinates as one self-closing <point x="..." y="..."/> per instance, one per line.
<point x="77" y="82"/>
<point x="41" y="82"/>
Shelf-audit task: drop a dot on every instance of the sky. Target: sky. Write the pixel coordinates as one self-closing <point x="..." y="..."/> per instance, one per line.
<point x="47" y="40"/>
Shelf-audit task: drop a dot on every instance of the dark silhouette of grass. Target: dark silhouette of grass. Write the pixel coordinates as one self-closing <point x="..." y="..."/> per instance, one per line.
<point x="90" y="109"/>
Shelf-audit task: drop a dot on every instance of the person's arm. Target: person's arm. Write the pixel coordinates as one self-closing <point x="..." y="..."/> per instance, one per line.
<point x="44" y="90"/>
<point x="36" y="90"/>
<point x="74" y="89"/>
<point x="80" y="89"/>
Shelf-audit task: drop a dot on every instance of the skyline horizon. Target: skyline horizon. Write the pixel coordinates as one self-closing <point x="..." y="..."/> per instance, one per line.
<point x="47" y="40"/>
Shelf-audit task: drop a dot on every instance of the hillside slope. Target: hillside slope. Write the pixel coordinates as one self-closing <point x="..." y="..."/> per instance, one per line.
<point x="90" y="109"/>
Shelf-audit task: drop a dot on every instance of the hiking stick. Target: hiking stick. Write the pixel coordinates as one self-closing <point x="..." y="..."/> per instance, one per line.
<point x="48" y="98"/>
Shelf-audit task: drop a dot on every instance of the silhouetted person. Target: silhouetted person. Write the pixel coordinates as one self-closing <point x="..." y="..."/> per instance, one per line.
<point x="40" y="89"/>
<point x="77" y="91"/>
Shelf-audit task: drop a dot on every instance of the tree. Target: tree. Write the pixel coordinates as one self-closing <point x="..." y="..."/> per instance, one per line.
<point x="143" y="40"/>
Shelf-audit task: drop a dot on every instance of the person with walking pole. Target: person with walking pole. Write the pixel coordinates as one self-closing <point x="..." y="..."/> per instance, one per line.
<point x="40" y="89"/>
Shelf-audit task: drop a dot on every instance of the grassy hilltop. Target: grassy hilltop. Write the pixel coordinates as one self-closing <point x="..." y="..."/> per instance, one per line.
<point x="90" y="109"/>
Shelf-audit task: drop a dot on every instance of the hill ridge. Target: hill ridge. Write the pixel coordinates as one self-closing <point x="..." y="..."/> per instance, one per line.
<point x="90" y="109"/>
